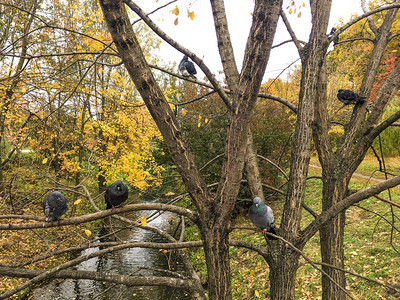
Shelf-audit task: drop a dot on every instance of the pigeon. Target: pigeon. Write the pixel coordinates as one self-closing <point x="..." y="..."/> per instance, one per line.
<point x="336" y="39"/>
<point x="187" y="68"/>
<point x="115" y="194"/>
<point x="262" y="217"/>
<point x="54" y="206"/>
<point x="350" y="97"/>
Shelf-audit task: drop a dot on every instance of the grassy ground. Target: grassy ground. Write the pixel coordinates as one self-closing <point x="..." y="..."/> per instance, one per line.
<point x="369" y="246"/>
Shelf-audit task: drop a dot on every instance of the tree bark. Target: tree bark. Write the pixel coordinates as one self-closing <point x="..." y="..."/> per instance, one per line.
<point x="232" y="78"/>
<point x="283" y="265"/>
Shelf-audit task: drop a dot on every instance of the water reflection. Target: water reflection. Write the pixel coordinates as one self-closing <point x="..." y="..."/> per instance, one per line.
<point x="134" y="261"/>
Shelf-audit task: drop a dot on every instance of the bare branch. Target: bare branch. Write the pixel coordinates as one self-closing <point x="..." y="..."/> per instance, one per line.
<point x="325" y="216"/>
<point x="363" y="16"/>
<point x="102" y="214"/>
<point x="371" y="23"/>
<point x="275" y="165"/>
<point x="291" y="32"/>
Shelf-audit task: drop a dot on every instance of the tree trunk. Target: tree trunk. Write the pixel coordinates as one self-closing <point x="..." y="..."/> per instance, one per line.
<point x="216" y="250"/>
<point x="283" y="265"/>
<point x="331" y="240"/>
<point x="252" y="169"/>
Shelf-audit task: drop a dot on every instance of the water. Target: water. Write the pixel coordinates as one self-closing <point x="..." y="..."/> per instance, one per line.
<point x="133" y="261"/>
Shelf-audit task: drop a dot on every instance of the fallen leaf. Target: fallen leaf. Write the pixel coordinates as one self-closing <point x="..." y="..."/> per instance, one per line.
<point x="87" y="232"/>
<point x="143" y="221"/>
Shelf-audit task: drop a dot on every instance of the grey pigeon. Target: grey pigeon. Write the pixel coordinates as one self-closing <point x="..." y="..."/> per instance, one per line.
<point x="336" y="39"/>
<point x="350" y="97"/>
<point x="187" y="68"/>
<point x="262" y="217"/>
<point x="115" y="194"/>
<point x="54" y="206"/>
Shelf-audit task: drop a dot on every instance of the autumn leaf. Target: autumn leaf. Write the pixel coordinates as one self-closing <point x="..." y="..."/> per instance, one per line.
<point x="175" y="11"/>
<point x="87" y="232"/>
<point x="257" y="294"/>
<point x="163" y="251"/>
<point x="299" y="14"/>
<point x="290" y="11"/>
<point x="169" y="194"/>
<point x="143" y="221"/>
<point x="190" y="14"/>
<point x="44" y="161"/>
<point x="176" y="22"/>
<point x="77" y="201"/>
<point x="184" y="112"/>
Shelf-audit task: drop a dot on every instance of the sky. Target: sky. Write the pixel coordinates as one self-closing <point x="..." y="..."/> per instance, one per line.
<point x="198" y="35"/>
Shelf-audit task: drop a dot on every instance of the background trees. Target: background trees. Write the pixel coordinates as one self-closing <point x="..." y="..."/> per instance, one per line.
<point x="87" y="122"/>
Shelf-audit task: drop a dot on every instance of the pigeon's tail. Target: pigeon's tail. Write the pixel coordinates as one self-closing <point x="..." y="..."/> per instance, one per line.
<point x="361" y="99"/>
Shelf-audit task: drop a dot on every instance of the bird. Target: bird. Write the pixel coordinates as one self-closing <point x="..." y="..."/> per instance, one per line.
<point x="262" y="216"/>
<point x="54" y="206"/>
<point x="350" y="97"/>
<point x="187" y="68"/>
<point x="115" y="194"/>
<point x="336" y="39"/>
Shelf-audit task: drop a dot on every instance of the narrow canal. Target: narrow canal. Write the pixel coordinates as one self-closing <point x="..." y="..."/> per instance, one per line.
<point x="133" y="261"/>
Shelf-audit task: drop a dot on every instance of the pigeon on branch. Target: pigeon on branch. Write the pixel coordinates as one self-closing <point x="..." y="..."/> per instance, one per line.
<point x="262" y="217"/>
<point x="54" y="206"/>
<point x="350" y="97"/>
<point x="187" y="68"/>
<point x="115" y="194"/>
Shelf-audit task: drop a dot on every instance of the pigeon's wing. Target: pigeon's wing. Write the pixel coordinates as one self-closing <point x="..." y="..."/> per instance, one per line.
<point x="349" y="95"/>
<point x="107" y="198"/>
<point x="181" y="65"/>
<point x="46" y="207"/>
<point x="189" y="66"/>
<point x="270" y="217"/>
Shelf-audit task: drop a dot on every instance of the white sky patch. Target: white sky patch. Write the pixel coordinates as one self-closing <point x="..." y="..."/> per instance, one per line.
<point x="199" y="35"/>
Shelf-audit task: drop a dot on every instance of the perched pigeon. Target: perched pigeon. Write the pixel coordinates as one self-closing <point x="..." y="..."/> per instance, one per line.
<point x="350" y="97"/>
<point x="54" y="206"/>
<point x="262" y="217"/>
<point x="116" y="193"/>
<point x="336" y="39"/>
<point x="187" y="68"/>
